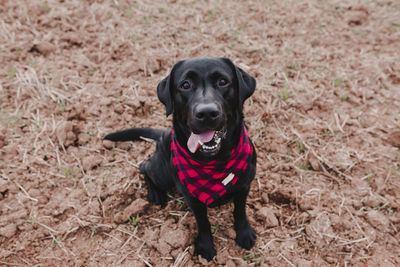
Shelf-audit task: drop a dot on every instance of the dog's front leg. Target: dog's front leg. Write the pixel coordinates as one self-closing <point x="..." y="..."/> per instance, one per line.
<point x="245" y="235"/>
<point x="204" y="243"/>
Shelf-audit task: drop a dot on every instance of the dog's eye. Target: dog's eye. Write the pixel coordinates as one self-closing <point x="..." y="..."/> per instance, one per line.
<point x="185" y="85"/>
<point x="222" y="82"/>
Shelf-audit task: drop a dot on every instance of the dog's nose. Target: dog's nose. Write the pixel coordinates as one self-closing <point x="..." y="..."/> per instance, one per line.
<point x="207" y="112"/>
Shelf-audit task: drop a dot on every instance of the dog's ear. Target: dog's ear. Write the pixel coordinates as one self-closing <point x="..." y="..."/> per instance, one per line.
<point x="246" y="84"/>
<point x="164" y="90"/>
<point x="164" y="94"/>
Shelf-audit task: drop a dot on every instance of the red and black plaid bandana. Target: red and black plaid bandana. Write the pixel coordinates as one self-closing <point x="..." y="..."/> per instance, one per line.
<point x="209" y="180"/>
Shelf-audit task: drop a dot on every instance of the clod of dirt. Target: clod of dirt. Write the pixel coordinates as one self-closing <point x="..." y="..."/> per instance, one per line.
<point x="175" y="238"/>
<point x="265" y="197"/>
<point x="8" y="231"/>
<point x="320" y="230"/>
<point x="65" y="133"/>
<point x="2" y="137"/>
<point x="393" y="138"/>
<point x="107" y="144"/>
<point x="357" y="16"/>
<point x="4" y="185"/>
<point x="136" y="207"/>
<point x="90" y="162"/>
<point x="76" y="112"/>
<point x="303" y="263"/>
<point x="312" y="159"/>
<point x="378" y="220"/>
<point x="83" y="138"/>
<point x="11" y="149"/>
<point x="43" y="47"/>
<point x="73" y="38"/>
<point x="268" y="216"/>
<point x="372" y="201"/>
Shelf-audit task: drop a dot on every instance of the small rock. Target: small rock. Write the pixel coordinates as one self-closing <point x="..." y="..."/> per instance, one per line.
<point x="372" y="201"/>
<point x="378" y="220"/>
<point x="265" y="197"/>
<point x="136" y="207"/>
<point x="65" y="133"/>
<point x="268" y="216"/>
<point x="89" y="163"/>
<point x="230" y="232"/>
<point x="11" y="149"/>
<point x="393" y="138"/>
<point x="314" y="162"/>
<point x="2" y="137"/>
<point x="107" y="144"/>
<point x="176" y="238"/>
<point x="357" y="15"/>
<point x="303" y="263"/>
<point x="43" y="48"/>
<point x="83" y="139"/>
<point x="163" y="247"/>
<point x="8" y="231"/>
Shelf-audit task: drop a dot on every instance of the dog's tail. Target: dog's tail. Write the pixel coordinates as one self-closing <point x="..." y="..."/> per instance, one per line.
<point x="135" y="134"/>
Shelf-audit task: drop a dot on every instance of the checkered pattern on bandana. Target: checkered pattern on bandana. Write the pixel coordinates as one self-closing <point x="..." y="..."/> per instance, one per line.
<point x="208" y="181"/>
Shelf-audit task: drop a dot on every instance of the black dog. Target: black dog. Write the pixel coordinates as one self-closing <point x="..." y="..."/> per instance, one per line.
<point x="207" y="154"/>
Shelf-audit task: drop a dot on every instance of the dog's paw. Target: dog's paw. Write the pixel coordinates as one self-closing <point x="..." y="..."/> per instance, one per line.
<point x="246" y="237"/>
<point x="155" y="195"/>
<point x="205" y="249"/>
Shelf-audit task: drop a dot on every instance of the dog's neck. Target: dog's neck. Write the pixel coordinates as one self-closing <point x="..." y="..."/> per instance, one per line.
<point x="231" y="140"/>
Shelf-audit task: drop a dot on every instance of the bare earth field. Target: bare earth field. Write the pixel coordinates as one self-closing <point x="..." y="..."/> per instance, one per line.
<point x="325" y="119"/>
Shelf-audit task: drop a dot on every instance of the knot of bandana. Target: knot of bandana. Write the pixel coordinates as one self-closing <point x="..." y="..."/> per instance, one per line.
<point x="209" y="180"/>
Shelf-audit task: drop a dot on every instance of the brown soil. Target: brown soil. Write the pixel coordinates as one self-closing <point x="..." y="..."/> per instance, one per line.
<point x="325" y="119"/>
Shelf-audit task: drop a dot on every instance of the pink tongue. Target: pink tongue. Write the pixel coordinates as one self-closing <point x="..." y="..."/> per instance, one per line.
<point x="194" y="140"/>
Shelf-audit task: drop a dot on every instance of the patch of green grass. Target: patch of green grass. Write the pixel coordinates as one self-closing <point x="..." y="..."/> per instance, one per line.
<point x="344" y="98"/>
<point x="11" y="120"/>
<point x="360" y="31"/>
<point x="54" y="242"/>
<point x="136" y="39"/>
<point x="210" y="15"/>
<point x="45" y="6"/>
<point x="134" y="5"/>
<point x="337" y="82"/>
<point x="147" y="20"/>
<point x="38" y="124"/>
<point x="92" y="72"/>
<point x="92" y="133"/>
<point x="284" y="94"/>
<point x="217" y="228"/>
<point x="13" y="71"/>
<point x="384" y="207"/>
<point x="254" y="257"/>
<point x="161" y="10"/>
<point x="134" y="220"/>
<point x="67" y="170"/>
<point x="93" y="230"/>
<point x="61" y="104"/>
<point x="129" y="13"/>
<point x="369" y="176"/>
<point x="300" y="145"/>
<point x="305" y="167"/>
<point x="31" y="219"/>
<point x="396" y="25"/>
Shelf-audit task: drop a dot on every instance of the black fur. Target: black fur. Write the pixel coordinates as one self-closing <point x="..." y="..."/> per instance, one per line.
<point x="192" y="85"/>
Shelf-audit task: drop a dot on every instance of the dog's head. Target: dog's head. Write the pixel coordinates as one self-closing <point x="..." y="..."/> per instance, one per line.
<point x="206" y="97"/>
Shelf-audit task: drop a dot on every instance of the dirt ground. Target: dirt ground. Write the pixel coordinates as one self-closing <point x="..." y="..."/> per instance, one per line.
<point x="325" y="119"/>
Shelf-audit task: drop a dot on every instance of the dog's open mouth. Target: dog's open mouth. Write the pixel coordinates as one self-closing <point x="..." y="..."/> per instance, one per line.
<point x="207" y="142"/>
